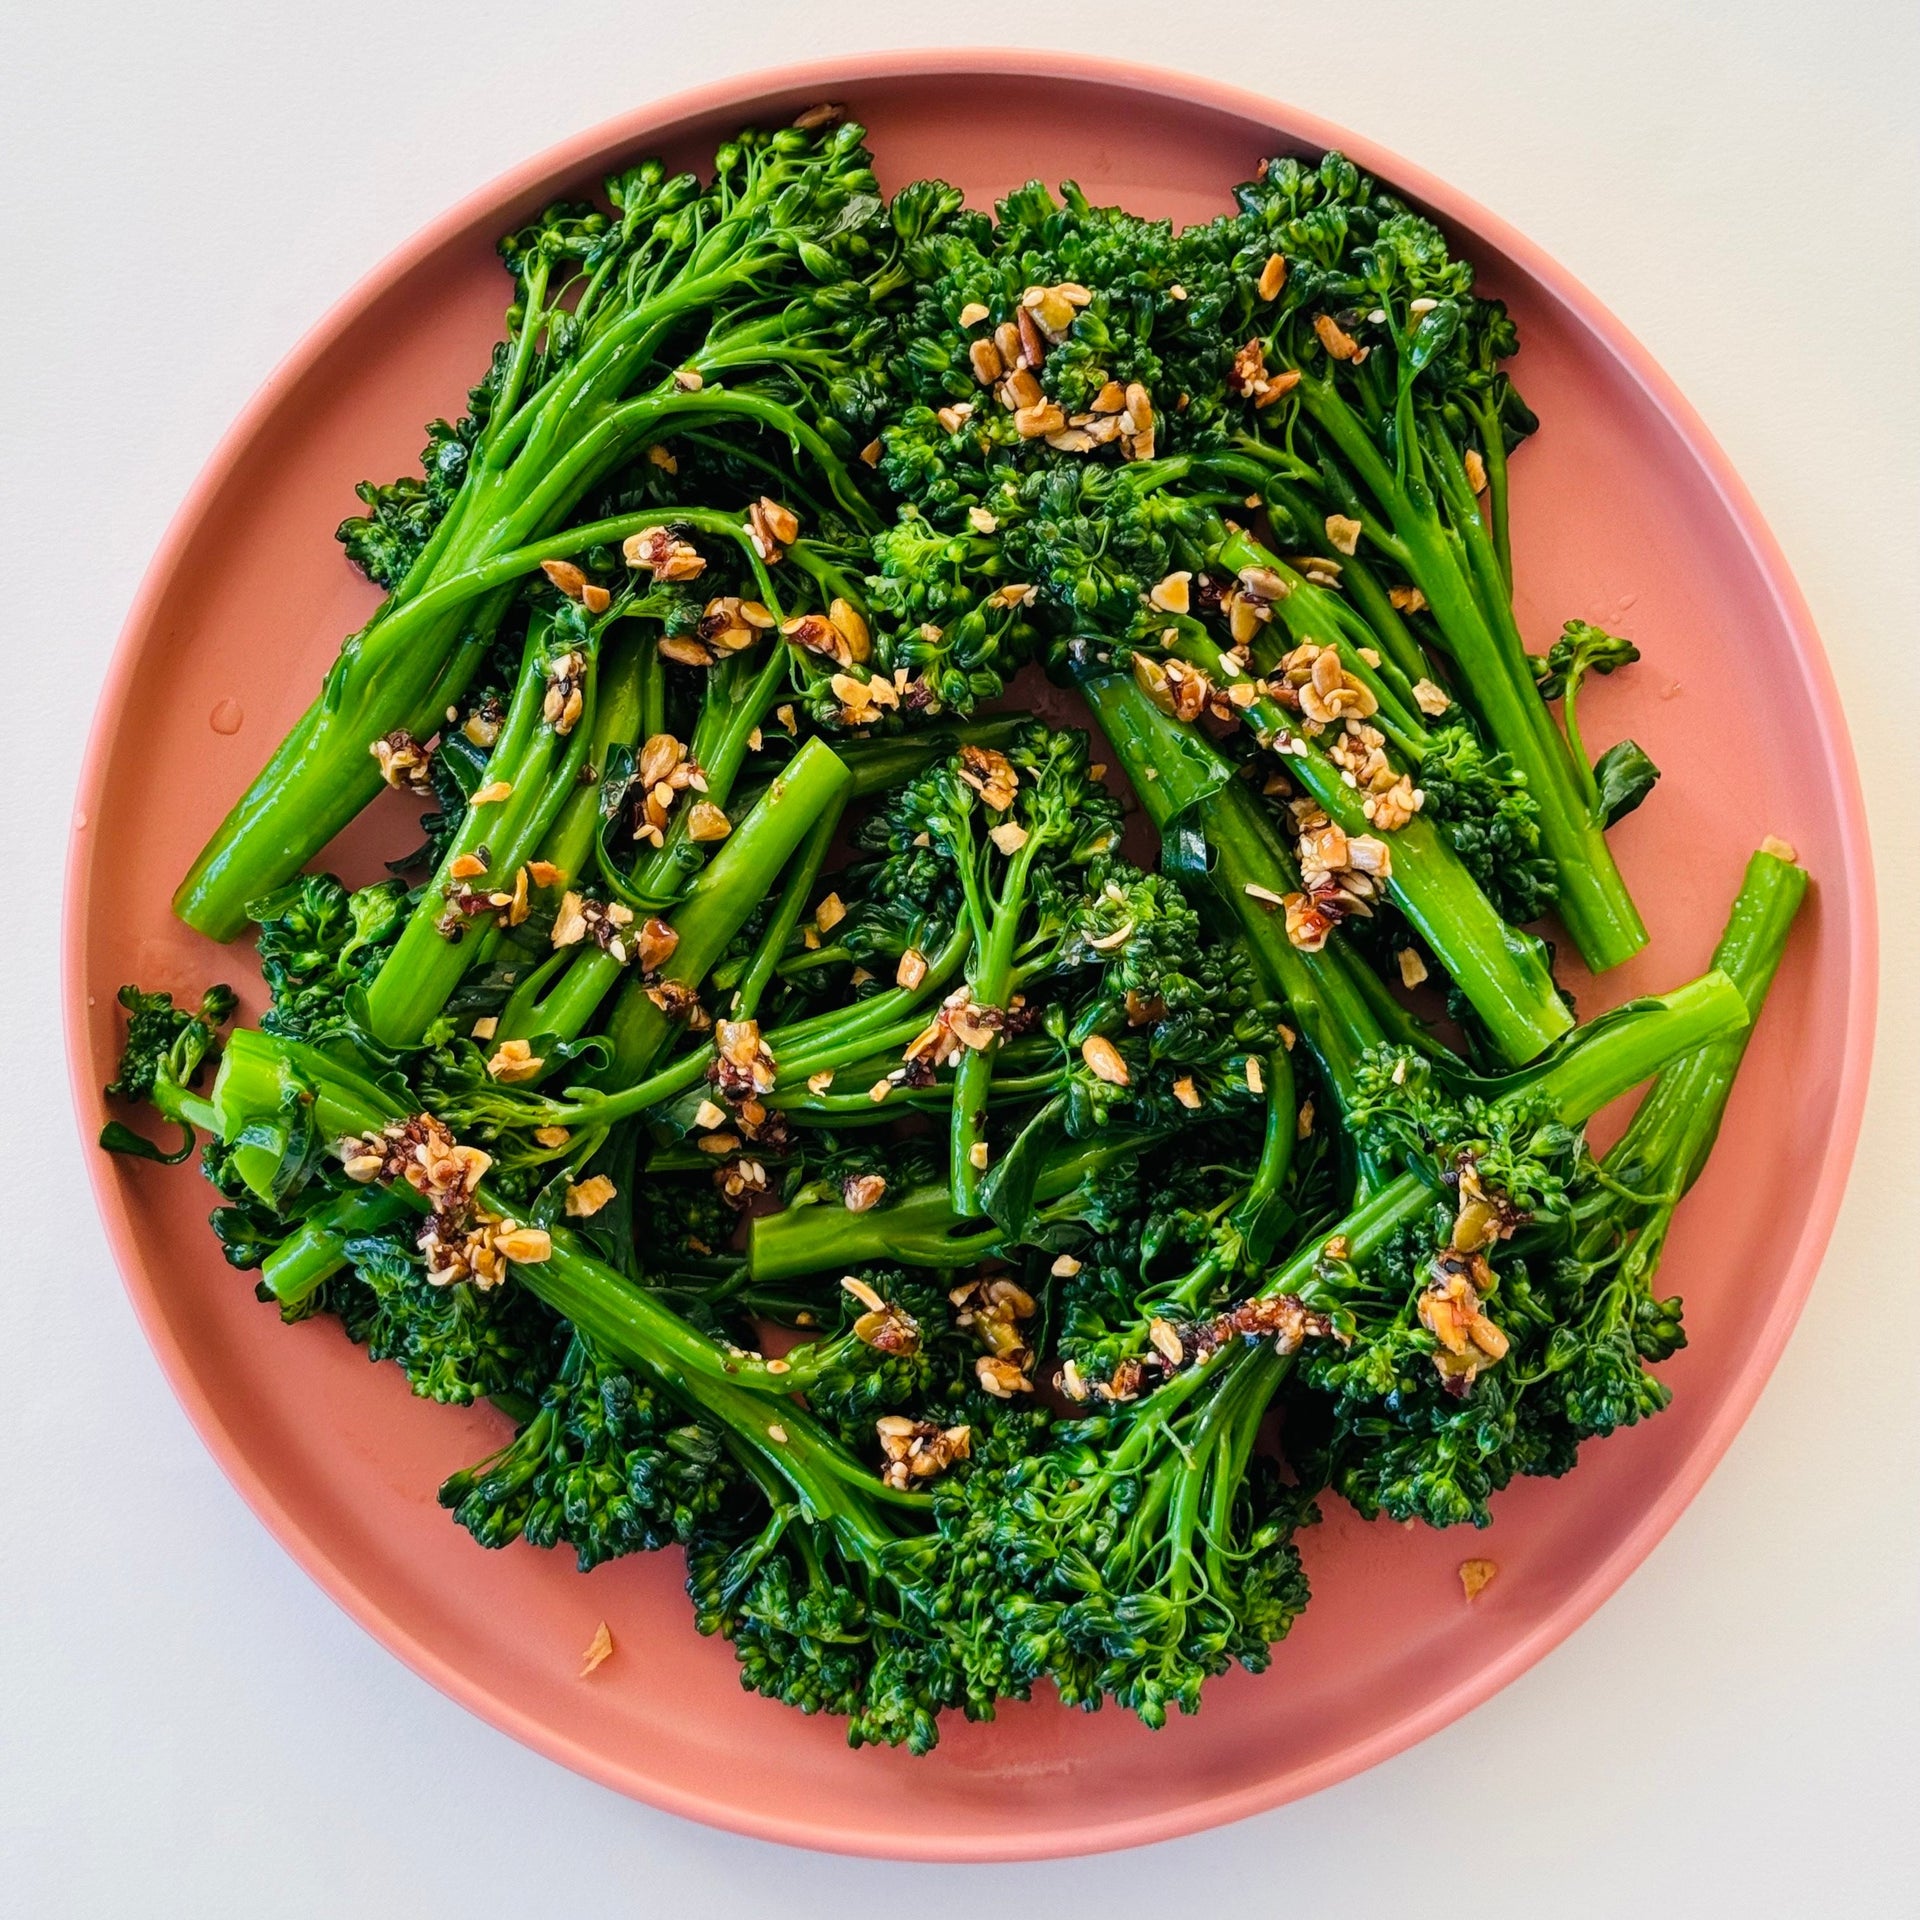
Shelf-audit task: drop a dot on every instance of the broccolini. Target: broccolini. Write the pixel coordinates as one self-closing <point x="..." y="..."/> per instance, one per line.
<point x="853" y="1122"/>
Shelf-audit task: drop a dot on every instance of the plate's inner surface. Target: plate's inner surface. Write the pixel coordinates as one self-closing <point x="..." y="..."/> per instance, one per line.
<point x="1615" y="519"/>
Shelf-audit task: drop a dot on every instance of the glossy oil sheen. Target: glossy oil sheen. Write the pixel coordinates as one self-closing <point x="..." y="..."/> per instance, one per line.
<point x="1625" y="513"/>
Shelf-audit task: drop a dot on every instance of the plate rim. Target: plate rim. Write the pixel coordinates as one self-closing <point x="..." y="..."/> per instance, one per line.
<point x="1854" y="888"/>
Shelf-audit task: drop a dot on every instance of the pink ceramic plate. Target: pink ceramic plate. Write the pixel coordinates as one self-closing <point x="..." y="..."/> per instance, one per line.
<point x="1625" y="512"/>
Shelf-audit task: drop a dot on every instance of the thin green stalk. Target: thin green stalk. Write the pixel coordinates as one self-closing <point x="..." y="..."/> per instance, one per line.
<point x="990" y="979"/>
<point x="1502" y="970"/>
<point x="1679" y="1120"/>
<point x="567" y="1005"/>
<point x="317" y="1249"/>
<point x="1213" y="831"/>
<point x="799" y="1049"/>
<point x="731" y="886"/>
<point x="919" y="1229"/>
<point x="795" y="891"/>
<point x="255" y="1075"/>
<point x="628" y="662"/>
<point x="540" y="768"/>
<point x="1608" y="1059"/>
<point x="393" y="673"/>
<point x="1463" y="578"/>
<point x="730" y="715"/>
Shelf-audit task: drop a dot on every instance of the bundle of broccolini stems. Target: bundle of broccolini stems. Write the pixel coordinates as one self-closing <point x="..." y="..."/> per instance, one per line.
<point x="793" y="1085"/>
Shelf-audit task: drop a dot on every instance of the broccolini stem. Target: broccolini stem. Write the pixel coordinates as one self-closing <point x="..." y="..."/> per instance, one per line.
<point x="801" y="1040"/>
<point x="824" y="1033"/>
<point x="533" y="320"/>
<point x="259" y="1071"/>
<point x="619" y="432"/>
<point x="991" y="982"/>
<point x="317" y="1249"/>
<point x="1601" y="1062"/>
<point x="754" y="852"/>
<point x="1180" y="777"/>
<point x="628" y="663"/>
<point x="1310" y="613"/>
<point x="1204" y="1473"/>
<point x="1674" y="1130"/>
<point x="719" y="747"/>
<point x="733" y="884"/>
<point x="855" y="1106"/>
<point x="895" y="759"/>
<point x="1493" y="675"/>
<point x="560" y="996"/>
<point x="393" y="673"/>
<point x="729" y="717"/>
<point x="1493" y="444"/>
<point x="795" y="892"/>
<point x="847" y="1047"/>
<point x="538" y="767"/>
<point x="1276" y="1146"/>
<point x="921" y="1228"/>
<point x="168" y="1098"/>
<point x="1357" y="576"/>
<point x="653" y="697"/>
<point x="1256" y="1381"/>
<point x="1501" y="969"/>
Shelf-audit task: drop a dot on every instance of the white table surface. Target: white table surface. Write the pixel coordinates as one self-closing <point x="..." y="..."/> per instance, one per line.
<point x="187" y="1726"/>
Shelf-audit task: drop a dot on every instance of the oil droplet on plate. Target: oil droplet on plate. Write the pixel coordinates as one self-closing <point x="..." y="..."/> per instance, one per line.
<point x="226" y="717"/>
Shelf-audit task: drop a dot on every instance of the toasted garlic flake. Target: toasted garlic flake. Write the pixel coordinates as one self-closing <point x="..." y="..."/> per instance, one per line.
<point x="1476" y="1576"/>
<point x="863" y="1192"/>
<point x="529" y="1246"/>
<point x="1174" y="594"/>
<point x="586" y="1197"/>
<point x="514" y="1060"/>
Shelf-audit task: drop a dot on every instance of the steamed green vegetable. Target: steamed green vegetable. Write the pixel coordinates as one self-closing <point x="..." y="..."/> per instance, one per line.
<point x="896" y="1147"/>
